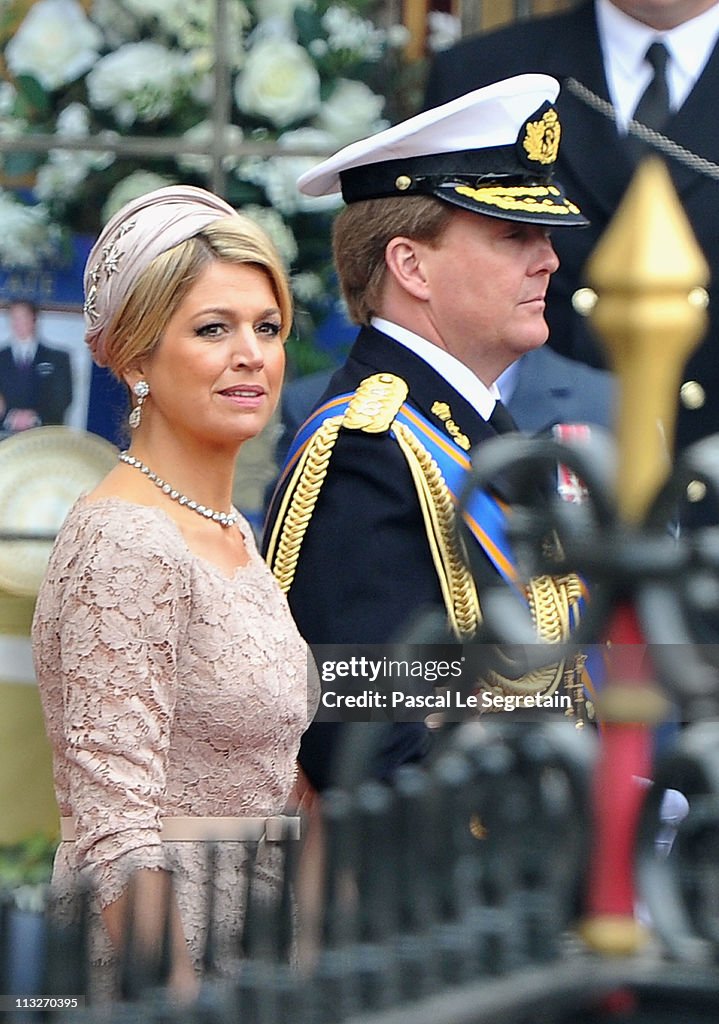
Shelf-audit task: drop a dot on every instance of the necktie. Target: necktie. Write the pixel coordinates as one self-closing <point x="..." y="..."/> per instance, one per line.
<point x="23" y="361"/>
<point x="653" y="107"/>
<point x="501" y="419"/>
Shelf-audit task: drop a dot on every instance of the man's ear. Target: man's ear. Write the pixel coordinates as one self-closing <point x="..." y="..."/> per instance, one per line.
<point x="404" y="259"/>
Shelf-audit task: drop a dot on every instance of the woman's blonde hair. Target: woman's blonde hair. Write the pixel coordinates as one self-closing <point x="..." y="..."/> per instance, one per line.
<point x="138" y="325"/>
<point x="360" y="236"/>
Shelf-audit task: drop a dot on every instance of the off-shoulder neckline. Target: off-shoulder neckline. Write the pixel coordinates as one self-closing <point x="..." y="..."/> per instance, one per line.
<point x="85" y="503"/>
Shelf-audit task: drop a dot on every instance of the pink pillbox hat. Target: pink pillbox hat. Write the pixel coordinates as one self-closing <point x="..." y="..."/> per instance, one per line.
<point x="130" y="241"/>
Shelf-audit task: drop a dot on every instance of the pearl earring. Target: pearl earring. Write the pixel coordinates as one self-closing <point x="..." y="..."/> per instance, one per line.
<point x="141" y="390"/>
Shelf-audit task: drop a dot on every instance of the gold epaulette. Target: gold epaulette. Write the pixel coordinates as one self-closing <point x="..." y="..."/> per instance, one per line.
<point x="375" y="403"/>
<point x="371" y="409"/>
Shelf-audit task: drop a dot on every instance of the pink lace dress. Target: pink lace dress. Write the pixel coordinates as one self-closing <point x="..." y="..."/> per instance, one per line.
<point x="168" y="688"/>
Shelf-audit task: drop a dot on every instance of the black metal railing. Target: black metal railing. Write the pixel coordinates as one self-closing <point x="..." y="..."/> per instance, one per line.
<point x="450" y="896"/>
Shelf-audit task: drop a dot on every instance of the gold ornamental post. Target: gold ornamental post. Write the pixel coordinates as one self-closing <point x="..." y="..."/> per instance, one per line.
<point x="649" y="274"/>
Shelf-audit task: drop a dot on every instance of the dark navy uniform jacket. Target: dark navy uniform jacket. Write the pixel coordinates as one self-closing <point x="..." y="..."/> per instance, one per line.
<point x="365" y="568"/>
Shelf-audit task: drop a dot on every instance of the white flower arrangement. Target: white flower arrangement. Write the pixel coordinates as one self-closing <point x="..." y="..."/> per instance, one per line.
<point x="55" y="43"/>
<point x="279" y="83"/>
<point x="308" y="76"/>
<point x="27" y="233"/>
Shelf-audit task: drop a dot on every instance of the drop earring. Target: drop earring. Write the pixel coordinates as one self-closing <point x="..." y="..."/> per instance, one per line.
<point x="141" y="390"/>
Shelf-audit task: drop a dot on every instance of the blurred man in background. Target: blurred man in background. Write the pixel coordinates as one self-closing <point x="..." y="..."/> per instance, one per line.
<point x="35" y="378"/>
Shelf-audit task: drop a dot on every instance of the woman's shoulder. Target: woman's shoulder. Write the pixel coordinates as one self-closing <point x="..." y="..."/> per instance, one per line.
<point x="112" y="526"/>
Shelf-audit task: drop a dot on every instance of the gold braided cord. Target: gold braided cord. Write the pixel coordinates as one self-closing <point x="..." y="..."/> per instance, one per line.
<point x="550" y="599"/>
<point x="304" y="489"/>
<point x="458" y="589"/>
<point x="541" y="680"/>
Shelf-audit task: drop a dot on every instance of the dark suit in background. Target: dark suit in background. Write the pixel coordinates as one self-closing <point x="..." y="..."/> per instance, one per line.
<point x="595" y="166"/>
<point x="552" y="389"/>
<point x="45" y="385"/>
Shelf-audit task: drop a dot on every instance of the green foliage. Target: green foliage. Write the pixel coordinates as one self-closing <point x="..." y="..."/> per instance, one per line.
<point x="27" y="863"/>
<point x="32" y="101"/>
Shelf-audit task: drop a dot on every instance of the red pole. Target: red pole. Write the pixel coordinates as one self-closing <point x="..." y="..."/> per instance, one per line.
<point x="629" y="707"/>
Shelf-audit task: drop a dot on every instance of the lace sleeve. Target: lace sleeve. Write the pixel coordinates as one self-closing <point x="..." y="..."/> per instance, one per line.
<point x="124" y="606"/>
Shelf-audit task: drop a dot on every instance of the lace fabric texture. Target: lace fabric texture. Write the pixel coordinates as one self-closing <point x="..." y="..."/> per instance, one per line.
<point x="168" y="688"/>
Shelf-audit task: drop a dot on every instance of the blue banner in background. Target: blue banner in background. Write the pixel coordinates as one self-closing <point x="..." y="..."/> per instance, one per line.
<point x="52" y="284"/>
<point x="107" y="407"/>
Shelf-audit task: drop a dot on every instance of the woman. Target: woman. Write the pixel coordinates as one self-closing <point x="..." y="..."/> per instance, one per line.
<point x="173" y="680"/>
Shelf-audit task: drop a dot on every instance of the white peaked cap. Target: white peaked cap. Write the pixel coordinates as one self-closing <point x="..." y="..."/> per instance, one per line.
<point x="491" y="151"/>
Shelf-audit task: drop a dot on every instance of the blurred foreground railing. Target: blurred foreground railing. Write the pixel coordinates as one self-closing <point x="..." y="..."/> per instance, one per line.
<point x="451" y="896"/>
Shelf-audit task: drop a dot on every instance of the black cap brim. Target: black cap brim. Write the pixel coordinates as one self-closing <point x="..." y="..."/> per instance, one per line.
<point x="541" y="202"/>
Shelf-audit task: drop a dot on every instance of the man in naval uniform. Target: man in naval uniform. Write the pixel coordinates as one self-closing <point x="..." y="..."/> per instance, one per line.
<point x="444" y="255"/>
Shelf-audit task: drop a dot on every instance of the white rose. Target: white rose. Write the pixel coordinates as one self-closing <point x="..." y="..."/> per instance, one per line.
<point x="347" y="31"/>
<point x="27" y="235"/>
<point x="352" y="112"/>
<point x="444" y="31"/>
<point x="191" y="23"/>
<point x="55" y="43"/>
<point x="116" y="22"/>
<point x="61" y="177"/>
<point x="279" y="82"/>
<point x="319" y="48"/>
<point x="398" y="36"/>
<point x="308" y="287"/>
<point x="311" y="139"/>
<point x="65" y="169"/>
<point x="74" y="119"/>
<point x="278" y="175"/>
<point x="139" y="82"/>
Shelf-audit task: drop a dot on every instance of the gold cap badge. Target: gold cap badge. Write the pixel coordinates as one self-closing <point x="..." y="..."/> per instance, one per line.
<point x="541" y="139"/>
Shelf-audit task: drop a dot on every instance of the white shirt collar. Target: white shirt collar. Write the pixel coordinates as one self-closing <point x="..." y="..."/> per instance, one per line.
<point x="24" y="350"/>
<point x="624" y="43"/>
<point x="459" y="376"/>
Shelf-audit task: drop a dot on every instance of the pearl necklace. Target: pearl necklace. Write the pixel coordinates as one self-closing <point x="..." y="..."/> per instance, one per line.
<point x="223" y="518"/>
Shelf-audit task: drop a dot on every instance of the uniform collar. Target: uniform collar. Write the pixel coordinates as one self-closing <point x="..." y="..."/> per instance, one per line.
<point x="460" y="377"/>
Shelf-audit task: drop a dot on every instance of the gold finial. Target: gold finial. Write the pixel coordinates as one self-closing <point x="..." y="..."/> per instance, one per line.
<point x="646" y="270"/>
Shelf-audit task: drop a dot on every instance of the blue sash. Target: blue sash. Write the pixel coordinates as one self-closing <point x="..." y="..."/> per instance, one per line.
<point x="484" y="515"/>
